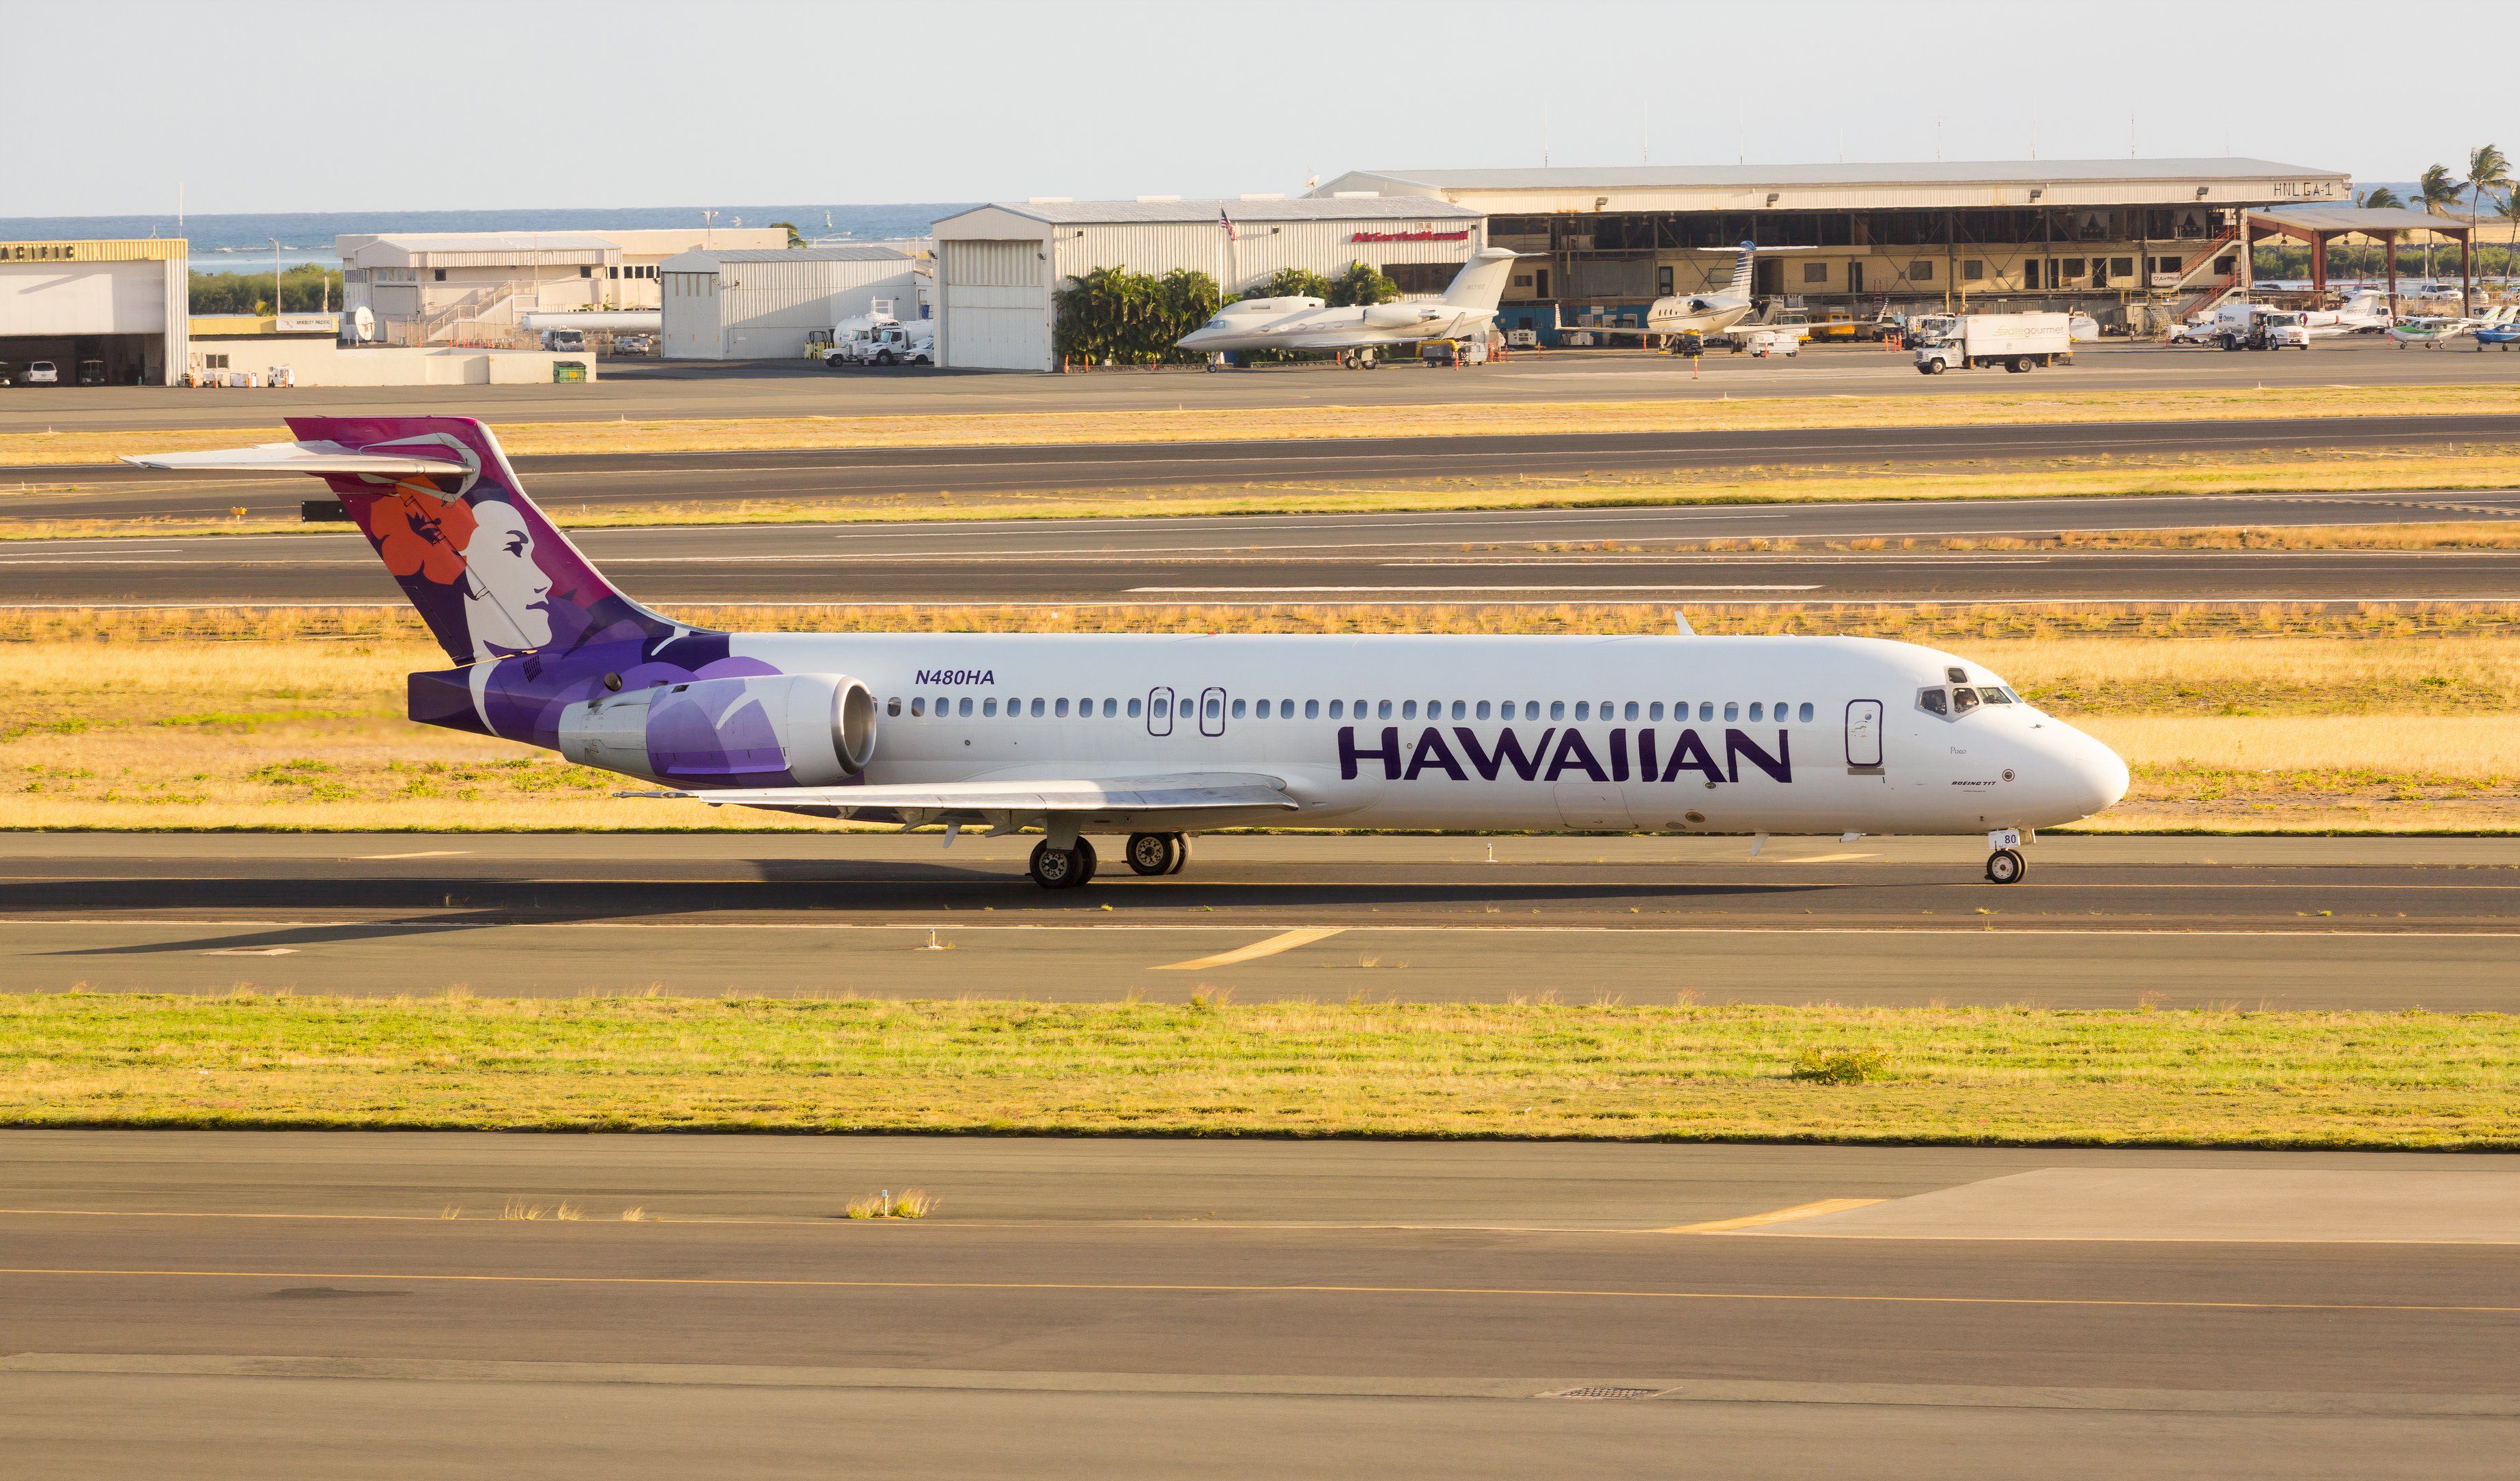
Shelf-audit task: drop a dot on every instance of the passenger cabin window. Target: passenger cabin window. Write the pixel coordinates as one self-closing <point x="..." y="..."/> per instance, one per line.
<point x="892" y="707"/>
<point x="1806" y="714"/>
<point x="917" y="705"/>
<point x="1654" y="710"/>
<point x="1706" y="708"/>
<point x="964" y="709"/>
<point x="1237" y="709"/>
<point x="1732" y="709"/>
<point x="1133" y="709"/>
<point x="989" y="705"/>
<point x="1558" y="709"/>
<point x="1313" y="709"/>
<point x="1755" y="709"/>
<point x="1036" y="709"/>
<point x="1933" y="702"/>
<point x="1383" y="710"/>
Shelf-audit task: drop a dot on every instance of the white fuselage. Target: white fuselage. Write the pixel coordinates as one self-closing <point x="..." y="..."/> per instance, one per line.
<point x="1238" y="327"/>
<point x="1657" y="734"/>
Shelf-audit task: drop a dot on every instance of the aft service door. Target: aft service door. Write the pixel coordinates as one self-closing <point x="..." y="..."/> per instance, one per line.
<point x="1159" y="712"/>
<point x="1863" y="735"/>
<point x="1211" y="711"/>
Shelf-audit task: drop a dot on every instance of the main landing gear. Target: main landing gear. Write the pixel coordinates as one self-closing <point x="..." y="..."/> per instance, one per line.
<point x="1062" y="869"/>
<point x="1158" y="853"/>
<point x="1147" y="852"/>
<point x="2005" y="865"/>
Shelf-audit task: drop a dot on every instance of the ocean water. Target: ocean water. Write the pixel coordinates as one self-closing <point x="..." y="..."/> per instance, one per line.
<point x="243" y="243"/>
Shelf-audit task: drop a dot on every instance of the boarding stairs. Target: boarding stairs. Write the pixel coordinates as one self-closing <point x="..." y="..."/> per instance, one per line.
<point x="2200" y="264"/>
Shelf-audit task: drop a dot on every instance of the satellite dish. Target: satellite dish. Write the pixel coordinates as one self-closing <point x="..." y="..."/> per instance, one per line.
<point x="362" y="324"/>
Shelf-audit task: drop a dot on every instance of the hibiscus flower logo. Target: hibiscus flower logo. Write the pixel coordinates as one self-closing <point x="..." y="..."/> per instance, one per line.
<point x="419" y="532"/>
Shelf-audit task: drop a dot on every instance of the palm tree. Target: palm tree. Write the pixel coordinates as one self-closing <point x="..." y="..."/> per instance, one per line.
<point x="2438" y="192"/>
<point x="2379" y="197"/>
<point x="2489" y="169"/>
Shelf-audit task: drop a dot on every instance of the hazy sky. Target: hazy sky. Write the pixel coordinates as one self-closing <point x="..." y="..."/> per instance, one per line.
<point x="351" y="105"/>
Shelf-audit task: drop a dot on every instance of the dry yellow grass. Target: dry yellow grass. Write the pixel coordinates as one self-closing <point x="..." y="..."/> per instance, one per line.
<point x="2446" y="469"/>
<point x="1988" y="407"/>
<point x="2475" y="536"/>
<point x="123" y="719"/>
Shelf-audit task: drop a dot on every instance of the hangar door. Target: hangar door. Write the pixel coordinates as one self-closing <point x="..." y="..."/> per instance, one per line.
<point x="995" y="305"/>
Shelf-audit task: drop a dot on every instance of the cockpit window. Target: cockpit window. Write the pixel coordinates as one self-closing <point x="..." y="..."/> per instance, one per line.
<point x="1963" y="699"/>
<point x="1996" y="696"/>
<point x="1933" y="702"/>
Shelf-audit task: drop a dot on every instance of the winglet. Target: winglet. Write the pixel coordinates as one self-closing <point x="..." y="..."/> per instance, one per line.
<point x="1679" y="621"/>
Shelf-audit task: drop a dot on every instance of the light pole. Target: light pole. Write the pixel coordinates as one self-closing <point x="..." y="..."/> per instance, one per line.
<point x="275" y="277"/>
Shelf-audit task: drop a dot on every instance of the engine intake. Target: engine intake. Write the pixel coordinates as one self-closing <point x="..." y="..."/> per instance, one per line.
<point x="813" y="729"/>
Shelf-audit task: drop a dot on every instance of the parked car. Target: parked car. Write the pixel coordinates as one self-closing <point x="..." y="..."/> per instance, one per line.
<point x="8" y="374"/>
<point x="633" y="343"/>
<point x="43" y="373"/>
<point x="91" y="372"/>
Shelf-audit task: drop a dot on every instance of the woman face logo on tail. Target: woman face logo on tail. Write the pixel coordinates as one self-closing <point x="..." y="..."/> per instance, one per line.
<point x="506" y="593"/>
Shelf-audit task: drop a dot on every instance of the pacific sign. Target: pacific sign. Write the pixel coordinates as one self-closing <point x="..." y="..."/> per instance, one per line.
<point x="1560" y="752"/>
<point x="1462" y="235"/>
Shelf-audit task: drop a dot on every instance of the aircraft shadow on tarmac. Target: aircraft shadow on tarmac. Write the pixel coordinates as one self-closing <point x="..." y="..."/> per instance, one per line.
<point x="430" y="906"/>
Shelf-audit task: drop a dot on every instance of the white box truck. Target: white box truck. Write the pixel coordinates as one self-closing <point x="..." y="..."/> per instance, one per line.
<point x="2014" y="341"/>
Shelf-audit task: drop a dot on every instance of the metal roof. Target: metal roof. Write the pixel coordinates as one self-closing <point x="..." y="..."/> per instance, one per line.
<point x="1748" y="176"/>
<point x="518" y="241"/>
<point x="698" y="261"/>
<point x="2359" y="218"/>
<point x="1300" y="208"/>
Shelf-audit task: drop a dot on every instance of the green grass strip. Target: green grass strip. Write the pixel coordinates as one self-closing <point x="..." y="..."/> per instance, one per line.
<point x="1977" y="1076"/>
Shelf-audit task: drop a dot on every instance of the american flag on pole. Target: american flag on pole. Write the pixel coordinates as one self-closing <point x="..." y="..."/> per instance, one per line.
<point x="1227" y="222"/>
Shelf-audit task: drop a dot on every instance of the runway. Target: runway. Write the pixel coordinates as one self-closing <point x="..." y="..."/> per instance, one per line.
<point x="267" y="1303"/>
<point x="2099" y="922"/>
<point x="114" y="491"/>
<point x="642" y="390"/>
<point x="1432" y="557"/>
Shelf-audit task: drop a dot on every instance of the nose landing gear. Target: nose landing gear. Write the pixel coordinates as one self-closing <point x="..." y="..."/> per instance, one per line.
<point x="2005" y="864"/>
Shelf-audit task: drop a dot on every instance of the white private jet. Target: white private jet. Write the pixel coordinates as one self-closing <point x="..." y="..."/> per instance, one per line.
<point x="1354" y="334"/>
<point x="1709" y="315"/>
<point x="1158" y="736"/>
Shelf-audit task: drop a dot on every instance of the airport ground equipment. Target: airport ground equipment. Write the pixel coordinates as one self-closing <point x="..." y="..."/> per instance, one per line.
<point x="2017" y="341"/>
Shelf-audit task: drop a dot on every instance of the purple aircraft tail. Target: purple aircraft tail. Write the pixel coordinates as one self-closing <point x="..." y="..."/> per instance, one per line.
<point x="488" y="572"/>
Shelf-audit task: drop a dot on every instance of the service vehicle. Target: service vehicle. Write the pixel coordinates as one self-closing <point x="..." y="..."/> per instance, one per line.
<point x="565" y="341"/>
<point x="91" y="372"/>
<point x="2017" y="341"/>
<point x="43" y="373"/>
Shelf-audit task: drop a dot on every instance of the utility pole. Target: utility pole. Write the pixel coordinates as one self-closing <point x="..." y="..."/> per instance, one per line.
<point x="275" y="277"/>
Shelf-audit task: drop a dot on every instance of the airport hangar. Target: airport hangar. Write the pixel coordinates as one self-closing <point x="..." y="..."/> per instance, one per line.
<point x="761" y="305"/>
<point x="120" y="306"/>
<point x="999" y="267"/>
<point x="2133" y="242"/>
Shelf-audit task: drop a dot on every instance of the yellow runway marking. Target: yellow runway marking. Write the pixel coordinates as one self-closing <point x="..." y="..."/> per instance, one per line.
<point x="1238" y="1288"/>
<point x="1284" y="942"/>
<point x="1775" y="1216"/>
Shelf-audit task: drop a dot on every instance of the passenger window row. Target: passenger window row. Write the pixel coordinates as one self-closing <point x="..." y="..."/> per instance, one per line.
<point x="964" y="707"/>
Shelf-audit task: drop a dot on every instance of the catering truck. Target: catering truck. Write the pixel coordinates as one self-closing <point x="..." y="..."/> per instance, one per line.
<point x="2014" y="341"/>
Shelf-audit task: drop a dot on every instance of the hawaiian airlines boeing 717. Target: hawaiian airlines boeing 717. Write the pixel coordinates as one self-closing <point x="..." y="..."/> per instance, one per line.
<point x="1157" y="737"/>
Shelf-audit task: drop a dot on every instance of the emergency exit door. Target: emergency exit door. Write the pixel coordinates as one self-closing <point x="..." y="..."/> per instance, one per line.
<point x="1211" y="711"/>
<point x="1863" y="735"/>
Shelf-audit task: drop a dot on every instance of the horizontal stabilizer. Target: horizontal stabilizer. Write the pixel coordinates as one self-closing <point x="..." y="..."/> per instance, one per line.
<point x="317" y="458"/>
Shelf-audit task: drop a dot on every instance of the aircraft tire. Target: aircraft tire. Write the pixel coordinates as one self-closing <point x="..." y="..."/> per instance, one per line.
<point x="1061" y="868"/>
<point x="1181" y="853"/>
<point x="2006" y="866"/>
<point x="1151" y="852"/>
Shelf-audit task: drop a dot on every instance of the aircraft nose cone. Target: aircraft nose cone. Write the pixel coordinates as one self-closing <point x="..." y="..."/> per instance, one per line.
<point x="2092" y="777"/>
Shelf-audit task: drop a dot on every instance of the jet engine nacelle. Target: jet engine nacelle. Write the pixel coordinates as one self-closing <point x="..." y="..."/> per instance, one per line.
<point x="816" y="729"/>
<point x="1392" y="316"/>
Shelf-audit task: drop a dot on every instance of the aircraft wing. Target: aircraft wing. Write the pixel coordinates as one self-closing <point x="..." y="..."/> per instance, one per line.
<point x="1202" y="794"/>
